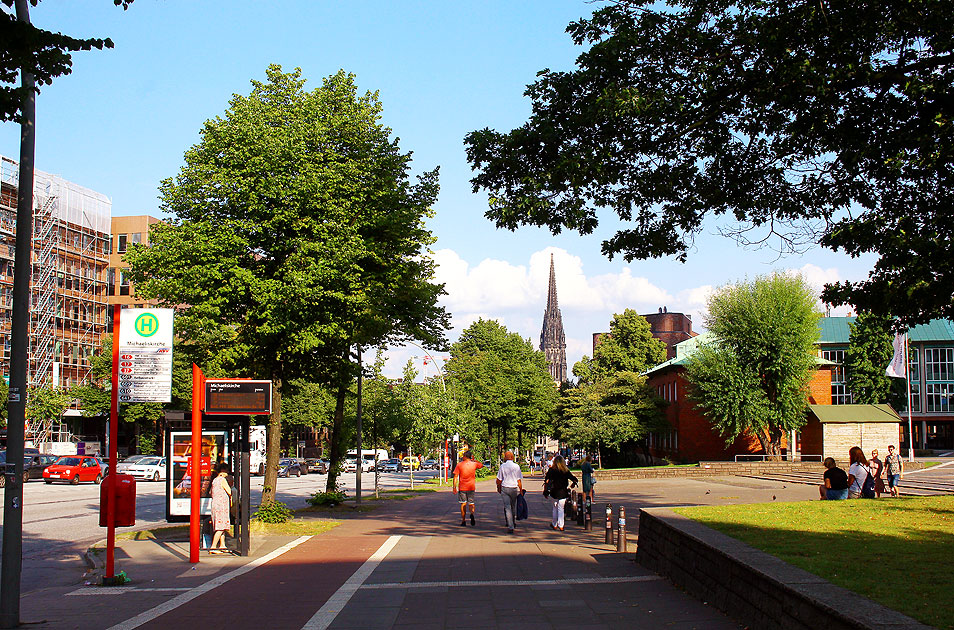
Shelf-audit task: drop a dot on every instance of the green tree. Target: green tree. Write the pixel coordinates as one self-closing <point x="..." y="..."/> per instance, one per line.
<point x="43" y="53"/>
<point x="47" y="403"/>
<point x="629" y="347"/>
<point x="296" y="235"/>
<point x="869" y="352"/>
<point x="753" y="377"/>
<point x="4" y="396"/>
<point x="801" y="121"/>
<point x="609" y="413"/>
<point x="503" y="382"/>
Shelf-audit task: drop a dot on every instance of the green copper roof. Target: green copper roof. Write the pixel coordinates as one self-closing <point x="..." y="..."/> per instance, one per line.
<point x="854" y="413"/>
<point x="835" y="331"/>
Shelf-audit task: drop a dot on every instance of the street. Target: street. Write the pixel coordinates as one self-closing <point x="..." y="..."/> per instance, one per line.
<point x="61" y="521"/>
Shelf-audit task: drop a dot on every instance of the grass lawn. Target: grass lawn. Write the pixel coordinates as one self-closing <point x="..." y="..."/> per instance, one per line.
<point x="293" y="527"/>
<point x="897" y="552"/>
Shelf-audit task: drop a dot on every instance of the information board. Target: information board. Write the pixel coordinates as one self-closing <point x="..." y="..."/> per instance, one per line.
<point x="215" y="449"/>
<point x="145" y="355"/>
<point x="238" y="396"/>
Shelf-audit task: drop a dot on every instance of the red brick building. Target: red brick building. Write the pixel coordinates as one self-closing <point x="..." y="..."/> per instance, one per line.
<point x="692" y="437"/>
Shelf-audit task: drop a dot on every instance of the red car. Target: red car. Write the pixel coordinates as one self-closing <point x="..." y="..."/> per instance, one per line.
<point x="74" y="468"/>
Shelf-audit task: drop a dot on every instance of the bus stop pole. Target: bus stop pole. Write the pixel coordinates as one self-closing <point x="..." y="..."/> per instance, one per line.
<point x="195" y="479"/>
<point x="244" y="480"/>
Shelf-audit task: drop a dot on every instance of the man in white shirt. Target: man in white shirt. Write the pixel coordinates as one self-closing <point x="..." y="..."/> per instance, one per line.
<point x="509" y="485"/>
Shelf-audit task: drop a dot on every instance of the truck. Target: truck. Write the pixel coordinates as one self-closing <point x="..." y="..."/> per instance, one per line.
<point x="256" y="448"/>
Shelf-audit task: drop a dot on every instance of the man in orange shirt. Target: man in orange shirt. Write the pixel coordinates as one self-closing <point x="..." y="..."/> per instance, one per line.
<point x="465" y="484"/>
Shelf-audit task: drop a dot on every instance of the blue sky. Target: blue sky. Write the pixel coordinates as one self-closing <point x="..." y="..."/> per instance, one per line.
<point x="122" y="120"/>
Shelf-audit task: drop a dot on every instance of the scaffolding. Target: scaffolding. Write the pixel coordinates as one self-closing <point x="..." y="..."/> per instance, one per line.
<point x="68" y="301"/>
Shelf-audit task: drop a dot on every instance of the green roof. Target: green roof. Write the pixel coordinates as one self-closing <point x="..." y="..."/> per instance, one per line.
<point x="854" y="413"/>
<point x="835" y="331"/>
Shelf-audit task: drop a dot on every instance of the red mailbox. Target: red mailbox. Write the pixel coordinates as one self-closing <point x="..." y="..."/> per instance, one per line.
<point x="125" y="513"/>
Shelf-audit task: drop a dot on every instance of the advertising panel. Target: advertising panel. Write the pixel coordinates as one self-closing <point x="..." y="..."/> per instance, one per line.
<point x="215" y="448"/>
<point x="145" y="355"/>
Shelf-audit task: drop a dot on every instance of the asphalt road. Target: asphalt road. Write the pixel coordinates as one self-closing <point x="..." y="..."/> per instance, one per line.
<point x="61" y="521"/>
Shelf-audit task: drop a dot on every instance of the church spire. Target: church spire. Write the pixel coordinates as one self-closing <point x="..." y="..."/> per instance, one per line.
<point x="552" y="340"/>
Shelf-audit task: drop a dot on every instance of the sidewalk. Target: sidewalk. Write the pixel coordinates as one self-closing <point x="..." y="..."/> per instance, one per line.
<point x="428" y="572"/>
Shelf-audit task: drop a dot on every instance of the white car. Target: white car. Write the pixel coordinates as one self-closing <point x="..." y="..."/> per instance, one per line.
<point x="129" y="462"/>
<point x="351" y="465"/>
<point x="148" y="469"/>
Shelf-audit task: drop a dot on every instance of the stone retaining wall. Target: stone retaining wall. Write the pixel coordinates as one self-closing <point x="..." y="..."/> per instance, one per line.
<point x="751" y="586"/>
<point x="708" y="469"/>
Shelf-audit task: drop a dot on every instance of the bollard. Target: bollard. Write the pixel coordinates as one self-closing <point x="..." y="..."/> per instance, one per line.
<point x="588" y="525"/>
<point x="609" y="524"/>
<point x="621" y="534"/>
<point x="580" y="510"/>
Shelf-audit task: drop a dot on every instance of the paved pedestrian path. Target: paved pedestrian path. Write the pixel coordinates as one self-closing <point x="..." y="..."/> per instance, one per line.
<point x="409" y="564"/>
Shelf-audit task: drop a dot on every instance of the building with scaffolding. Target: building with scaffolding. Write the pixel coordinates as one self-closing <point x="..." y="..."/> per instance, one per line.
<point x="71" y="229"/>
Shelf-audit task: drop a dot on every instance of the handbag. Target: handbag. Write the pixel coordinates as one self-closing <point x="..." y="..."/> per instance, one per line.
<point x="546" y="489"/>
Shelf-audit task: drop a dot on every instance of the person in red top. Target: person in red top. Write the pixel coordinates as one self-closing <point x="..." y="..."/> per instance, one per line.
<point x="465" y="484"/>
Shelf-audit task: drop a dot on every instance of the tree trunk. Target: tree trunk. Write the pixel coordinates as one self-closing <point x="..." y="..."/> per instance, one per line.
<point x="273" y="444"/>
<point x="335" y="438"/>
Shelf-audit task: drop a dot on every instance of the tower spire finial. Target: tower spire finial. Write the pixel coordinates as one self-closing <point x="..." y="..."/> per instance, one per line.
<point x="552" y="339"/>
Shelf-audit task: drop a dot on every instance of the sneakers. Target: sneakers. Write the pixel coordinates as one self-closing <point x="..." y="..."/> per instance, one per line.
<point x="510" y="531"/>
<point x="473" y="521"/>
<point x="463" y="523"/>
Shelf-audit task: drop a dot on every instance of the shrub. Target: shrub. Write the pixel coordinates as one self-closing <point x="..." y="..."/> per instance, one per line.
<point x="274" y="512"/>
<point x="332" y="498"/>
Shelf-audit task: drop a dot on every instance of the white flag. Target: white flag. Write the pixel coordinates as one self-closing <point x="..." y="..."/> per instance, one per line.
<point x="898" y="367"/>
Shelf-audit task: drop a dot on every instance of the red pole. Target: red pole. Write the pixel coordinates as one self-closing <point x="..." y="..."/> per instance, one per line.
<point x="113" y="451"/>
<point x="195" y="481"/>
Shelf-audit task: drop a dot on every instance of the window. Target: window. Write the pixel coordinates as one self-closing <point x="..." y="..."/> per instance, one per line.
<point x="111" y="281"/>
<point x="839" y="377"/>
<point x="135" y="238"/>
<point x="122" y="244"/>
<point x="123" y="282"/>
<point x="939" y="379"/>
<point x="109" y="246"/>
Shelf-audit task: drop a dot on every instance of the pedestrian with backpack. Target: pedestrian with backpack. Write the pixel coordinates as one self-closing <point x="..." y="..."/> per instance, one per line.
<point x="860" y="481"/>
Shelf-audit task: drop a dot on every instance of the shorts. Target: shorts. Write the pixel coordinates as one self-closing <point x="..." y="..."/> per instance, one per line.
<point x="465" y="496"/>
<point x="893" y="480"/>
<point x="836" y="495"/>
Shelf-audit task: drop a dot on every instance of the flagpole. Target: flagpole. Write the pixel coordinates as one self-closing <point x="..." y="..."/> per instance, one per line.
<point x="907" y="378"/>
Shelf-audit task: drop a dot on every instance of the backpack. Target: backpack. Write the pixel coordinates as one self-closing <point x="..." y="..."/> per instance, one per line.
<point x="868" y="487"/>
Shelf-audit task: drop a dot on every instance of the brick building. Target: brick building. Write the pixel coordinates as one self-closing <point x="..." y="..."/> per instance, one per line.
<point x="691" y="436"/>
<point x="931" y="365"/>
<point x="669" y="328"/>
<point x="68" y="280"/>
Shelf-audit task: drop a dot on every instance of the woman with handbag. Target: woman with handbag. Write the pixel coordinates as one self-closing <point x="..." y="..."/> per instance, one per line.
<point x="221" y="508"/>
<point x="555" y="484"/>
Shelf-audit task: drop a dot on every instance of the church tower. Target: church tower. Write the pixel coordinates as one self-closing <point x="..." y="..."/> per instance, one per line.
<point x="552" y="341"/>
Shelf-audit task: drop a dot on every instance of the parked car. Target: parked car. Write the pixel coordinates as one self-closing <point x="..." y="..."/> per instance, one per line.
<point x="147" y="469"/>
<point x="350" y="465"/>
<point x="412" y="462"/>
<point x="390" y="465"/>
<point x="288" y="468"/>
<point x="34" y="465"/>
<point x="129" y="462"/>
<point x="317" y="466"/>
<point x="74" y="469"/>
<point x="430" y="464"/>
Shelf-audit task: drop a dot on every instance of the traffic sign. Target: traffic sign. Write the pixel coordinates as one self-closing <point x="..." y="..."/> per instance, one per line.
<point x="145" y="355"/>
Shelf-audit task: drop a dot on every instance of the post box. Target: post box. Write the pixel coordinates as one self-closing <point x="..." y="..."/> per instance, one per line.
<point x="125" y="513"/>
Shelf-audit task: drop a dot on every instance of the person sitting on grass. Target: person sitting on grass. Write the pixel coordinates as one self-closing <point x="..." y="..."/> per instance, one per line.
<point x="835" y="486"/>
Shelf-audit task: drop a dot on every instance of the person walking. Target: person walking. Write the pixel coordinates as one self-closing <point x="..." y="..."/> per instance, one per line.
<point x="557" y="481"/>
<point x="894" y="469"/>
<point x="465" y="485"/>
<point x="586" y="471"/>
<point x="509" y="486"/>
<point x="876" y="467"/>
<point x="221" y="509"/>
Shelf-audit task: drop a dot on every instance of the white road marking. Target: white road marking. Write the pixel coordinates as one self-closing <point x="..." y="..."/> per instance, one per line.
<point x="452" y="583"/>
<point x="327" y="613"/>
<point x="191" y="594"/>
<point x="119" y="590"/>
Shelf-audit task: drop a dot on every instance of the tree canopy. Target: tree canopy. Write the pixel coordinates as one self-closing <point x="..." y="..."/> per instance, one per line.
<point x="628" y="347"/>
<point x="869" y="352"/>
<point x="503" y="382"/>
<point x="43" y="53"/>
<point x="294" y="236"/>
<point x="753" y="376"/>
<point x="793" y="122"/>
